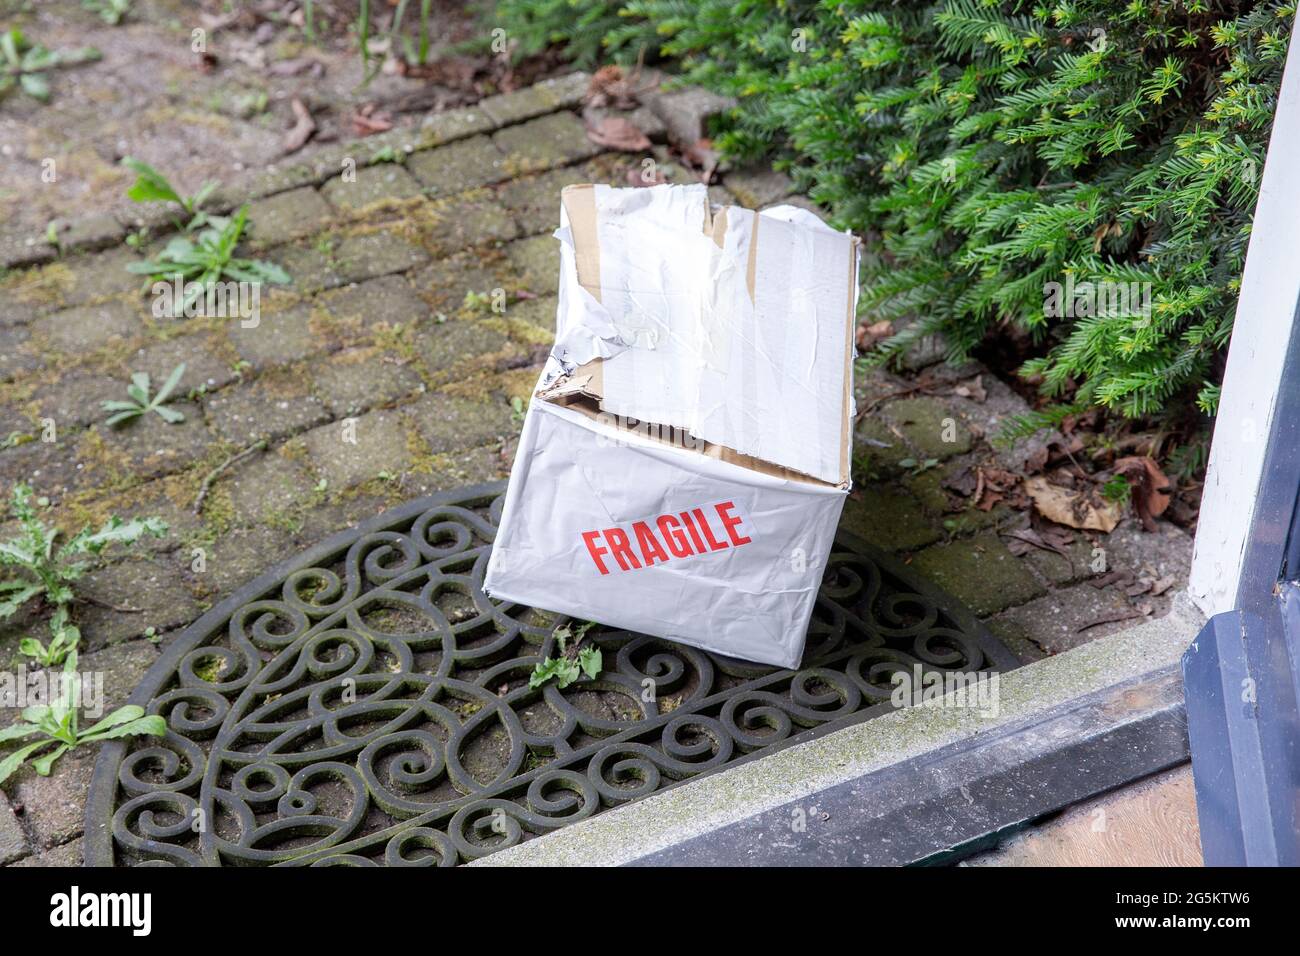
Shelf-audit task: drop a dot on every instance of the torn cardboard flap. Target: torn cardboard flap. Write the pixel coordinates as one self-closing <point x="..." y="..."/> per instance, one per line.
<point x="734" y="326"/>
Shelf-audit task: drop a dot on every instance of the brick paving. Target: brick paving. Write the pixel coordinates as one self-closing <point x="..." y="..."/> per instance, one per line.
<point x="376" y="340"/>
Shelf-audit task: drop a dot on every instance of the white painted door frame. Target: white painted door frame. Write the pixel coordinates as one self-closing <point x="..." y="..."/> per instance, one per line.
<point x="1257" y="354"/>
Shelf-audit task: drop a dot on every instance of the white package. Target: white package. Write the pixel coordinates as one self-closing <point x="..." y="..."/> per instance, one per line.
<point x="684" y="462"/>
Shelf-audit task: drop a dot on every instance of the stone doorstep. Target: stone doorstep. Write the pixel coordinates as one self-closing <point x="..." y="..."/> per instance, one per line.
<point x="1135" y="668"/>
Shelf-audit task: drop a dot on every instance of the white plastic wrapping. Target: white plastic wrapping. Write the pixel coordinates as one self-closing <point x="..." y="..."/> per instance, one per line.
<point x="731" y="331"/>
<point x="574" y="475"/>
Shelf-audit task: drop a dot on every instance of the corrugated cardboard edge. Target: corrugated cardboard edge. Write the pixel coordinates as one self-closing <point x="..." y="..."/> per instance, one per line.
<point x="846" y="434"/>
<point x="579" y="202"/>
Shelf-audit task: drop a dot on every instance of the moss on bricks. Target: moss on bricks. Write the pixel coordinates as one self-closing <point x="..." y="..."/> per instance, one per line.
<point x="472" y="219"/>
<point x="279" y="337"/>
<point x="312" y="265"/>
<point x="269" y="486"/>
<point x="534" y="201"/>
<point x="34" y="291"/>
<point x="350" y="452"/>
<point x="15" y="356"/>
<point x="374" y="184"/>
<point x="445" y="346"/>
<point x="535" y="264"/>
<point x="438" y="128"/>
<point x="453" y="470"/>
<point x="389" y="299"/>
<point x="73" y="399"/>
<point x="931" y="428"/>
<point x="517" y="105"/>
<point x="889" y="518"/>
<point x="877" y="451"/>
<point x="459" y="166"/>
<point x="275" y="406"/>
<point x="448" y="423"/>
<point x="539" y="144"/>
<point x="88" y="327"/>
<point x="980" y="572"/>
<point x="444" y="283"/>
<point x="94" y="278"/>
<point x="358" y="380"/>
<point x="206" y="366"/>
<point x="154" y="447"/>
<point x="288" y="215"/>
<point x="369" y="256"/>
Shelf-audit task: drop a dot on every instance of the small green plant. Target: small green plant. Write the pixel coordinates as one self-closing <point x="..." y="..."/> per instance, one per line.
<point x="477" y="301"/>
<point x="56" y="725"/>
<point x="52" y="229"/>
<point x="64" y="638"/>
<point x="1116" y="489"/>
<point x="50" y="571"/>
<point x="111" y="12"/>
<point x="208" y="258"/>
<point x="152" y="186"/>
<point x="141" y="404"/>
<point x="574" y="660"/>
<point x="517" y="409"/>
<point x="24" y="64"/>
<point x="388" y="154"/>
<point x="915" y="467"/>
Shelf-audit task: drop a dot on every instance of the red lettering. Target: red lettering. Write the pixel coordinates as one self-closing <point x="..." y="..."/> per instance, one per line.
<point x="695" y="535"/>
<point x="671" y="529"/>
<point x="714" y="543"/>
<point x="730" y="522"/>
<point x="595" y="549"/>
<point x="651" y="550"/>
<point x="621" y="548"/>
<point x="643" y="544"/>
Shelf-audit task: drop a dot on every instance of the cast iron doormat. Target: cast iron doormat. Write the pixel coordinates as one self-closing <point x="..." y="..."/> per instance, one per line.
<point x="367" y="704"/>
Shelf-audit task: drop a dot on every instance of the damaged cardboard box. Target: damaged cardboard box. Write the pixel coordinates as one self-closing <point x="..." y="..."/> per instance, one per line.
<point x="685" y="457"/>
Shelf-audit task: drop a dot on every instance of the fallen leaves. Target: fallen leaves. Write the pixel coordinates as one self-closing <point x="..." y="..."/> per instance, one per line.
<point x="1045" y="538"/>
<point x="303" y="128"/>
<point x="370" y="120"/>
<point x="1074" y="509"/>
<point x="620" y="133"/>
<point x="610" y="87"/>
<point x="869" y="334"/>
<point x="987" y="486"/>
<point x="973" y="389"/>
<point x="1149" y="487"/>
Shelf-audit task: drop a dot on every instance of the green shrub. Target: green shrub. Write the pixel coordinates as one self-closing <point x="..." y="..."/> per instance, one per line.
<point x="987" y="149"/>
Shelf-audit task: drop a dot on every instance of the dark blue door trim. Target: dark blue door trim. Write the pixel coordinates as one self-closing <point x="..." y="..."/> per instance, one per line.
<point x="1240" y="676"/>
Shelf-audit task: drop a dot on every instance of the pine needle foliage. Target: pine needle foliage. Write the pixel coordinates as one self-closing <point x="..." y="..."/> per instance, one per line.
<point x="988" y="148"/>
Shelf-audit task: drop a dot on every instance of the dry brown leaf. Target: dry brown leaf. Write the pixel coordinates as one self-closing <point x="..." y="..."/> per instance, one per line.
<point x="368" y="120"/>
<point x="701" y="157"/>
<point x="609" y="87"/>
<point x="618" y="132"/>
<point x="1072" y="508"/>
<point x="870" y="334"/>
<point x="303" y="128"/>
<point x="972" y="388"/>
<point x="1149" y="486"/>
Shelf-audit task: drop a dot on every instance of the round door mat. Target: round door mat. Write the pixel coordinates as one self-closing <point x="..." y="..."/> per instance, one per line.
<point x="367" y="704"/>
